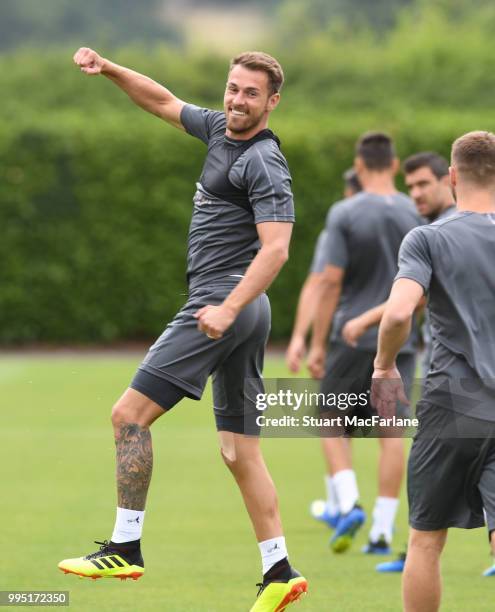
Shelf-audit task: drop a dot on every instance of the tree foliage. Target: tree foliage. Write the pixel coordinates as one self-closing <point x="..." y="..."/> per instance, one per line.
<point x="95" y="196"/>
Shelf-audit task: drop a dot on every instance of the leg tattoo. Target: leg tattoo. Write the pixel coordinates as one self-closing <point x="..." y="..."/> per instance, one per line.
<point x="134" y="465"/>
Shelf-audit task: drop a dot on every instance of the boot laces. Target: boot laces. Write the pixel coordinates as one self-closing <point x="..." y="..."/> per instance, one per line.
<point x="104" y="550"/>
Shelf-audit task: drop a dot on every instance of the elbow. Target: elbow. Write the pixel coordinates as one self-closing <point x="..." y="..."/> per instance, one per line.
<point x="280" y="254"/>
<point x="399" y="318"/>
<point x="330" y="286"/>
<point x="283" y="255"/>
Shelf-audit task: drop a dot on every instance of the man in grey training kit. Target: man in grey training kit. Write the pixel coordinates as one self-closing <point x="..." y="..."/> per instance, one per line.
<point x="238" y="241"/>
<point x="308" y="296"/>
<point x="362" y="240"/>
<point x="451" y="471"/>
<point x="427" y="179"/>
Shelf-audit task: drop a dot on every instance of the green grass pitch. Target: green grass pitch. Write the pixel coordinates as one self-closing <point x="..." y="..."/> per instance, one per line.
<point x="58" y="495"/>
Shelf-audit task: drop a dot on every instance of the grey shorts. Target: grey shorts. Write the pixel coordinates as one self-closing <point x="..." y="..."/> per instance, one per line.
<point x="349" y="370"/>
<point x="182" y="359"/>
<point x="451" y="479"/>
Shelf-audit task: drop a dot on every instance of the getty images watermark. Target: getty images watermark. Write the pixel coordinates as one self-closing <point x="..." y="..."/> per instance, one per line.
<point x="303" y="408"/>
<point x="439" y="406"/>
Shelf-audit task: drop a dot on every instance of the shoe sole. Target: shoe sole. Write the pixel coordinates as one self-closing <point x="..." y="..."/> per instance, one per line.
<point x="298" y="589"/>
<point x="133" y="575"/>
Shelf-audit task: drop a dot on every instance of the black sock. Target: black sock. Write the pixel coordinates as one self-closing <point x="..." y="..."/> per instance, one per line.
<point x="131" y="546"/>
<point x="281" y="571"/>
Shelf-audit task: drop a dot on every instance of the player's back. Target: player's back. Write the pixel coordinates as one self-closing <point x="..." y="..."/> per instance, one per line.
<point x="455" y="258"/>
<point x="376" y="226"/>
<point x="366" y="232"/>
<point x="462" y="290"/>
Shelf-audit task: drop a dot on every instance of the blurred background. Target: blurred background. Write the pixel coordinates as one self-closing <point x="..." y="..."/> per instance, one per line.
<point x="95" y="203"/>
<point x="95" y="195"/>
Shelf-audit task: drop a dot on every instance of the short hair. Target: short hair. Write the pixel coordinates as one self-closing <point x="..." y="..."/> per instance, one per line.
<point x="473" y="155"/>
<point x="376" y="149"/>
<point x="352" y="181"/>
<point x="257" y="60"/>
<point x="427" y="159"/>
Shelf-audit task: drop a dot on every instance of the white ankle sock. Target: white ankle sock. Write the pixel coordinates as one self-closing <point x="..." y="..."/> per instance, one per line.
<point x="128" y="525"/>
<point x="383" y="518"/>
<point x="332" y="500"/>
<point x="272" y="550"/>
<point x="347" y="490"/>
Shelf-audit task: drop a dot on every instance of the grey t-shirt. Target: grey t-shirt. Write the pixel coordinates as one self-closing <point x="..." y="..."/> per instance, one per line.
<point x="363" y="236"/>
<point x="453" y="260"/>
<point x="425" y="329"/>
<point x="222" y="238"/>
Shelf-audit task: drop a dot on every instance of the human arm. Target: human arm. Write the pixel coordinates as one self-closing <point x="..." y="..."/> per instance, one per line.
<point x="143" y="91"/>
<point x="274" y="252"/>
<point x="395" y="327"/>
<point x="355" y="328"/>
<point x="411" y="284"/>
<point x="304" y="318"/>
<point x="333" y="263"/>
<point x="306" y="307"/>
<point x="326" y="304"/>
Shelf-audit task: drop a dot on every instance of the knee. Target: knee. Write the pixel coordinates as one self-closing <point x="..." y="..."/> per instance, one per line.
<point x="229" y="457"/>
<point x="428" y="541"/>
<point x="127" y="412"/>
<point x="121" y="414"/>
<point x="238" y="464"/>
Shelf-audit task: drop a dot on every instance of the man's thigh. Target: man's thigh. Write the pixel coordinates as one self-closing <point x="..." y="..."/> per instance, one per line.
<point x="181" y="360"/>
<point x="238" y="379"/>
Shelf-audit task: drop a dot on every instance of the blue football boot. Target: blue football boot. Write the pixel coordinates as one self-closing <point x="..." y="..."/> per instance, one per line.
<point x="380" y="547"/>
<point x="394" y="566"/>
<point x="347" y="527"/>
<point x="319" y="511"/>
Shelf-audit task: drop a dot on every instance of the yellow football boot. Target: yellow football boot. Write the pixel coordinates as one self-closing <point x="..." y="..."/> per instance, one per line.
<point x="111" y="561"/>
<point x="276" y="596"/>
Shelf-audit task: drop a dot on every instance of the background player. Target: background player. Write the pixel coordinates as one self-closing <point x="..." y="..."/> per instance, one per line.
<point x="451" y="470"/>
<point x="296" y="350"/>
<point x="326" y="511"/>
<point x="428" y="182"/>
<point x="361" y="245"/>
<point x="238" y="241"/>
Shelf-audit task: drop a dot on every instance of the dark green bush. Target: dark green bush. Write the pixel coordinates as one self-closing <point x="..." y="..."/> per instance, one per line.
<point x="95" y="216"/>
<point x="95" y="196"/>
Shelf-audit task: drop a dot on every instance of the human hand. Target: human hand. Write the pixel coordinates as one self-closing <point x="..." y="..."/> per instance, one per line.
<point x="88" y="60"/>
<point x="352" y="331"/>
<point x="387" y="389"/>
<point x="316" y="361"/>
<point x="295" y="353"/>
<point x="214" y="320"/>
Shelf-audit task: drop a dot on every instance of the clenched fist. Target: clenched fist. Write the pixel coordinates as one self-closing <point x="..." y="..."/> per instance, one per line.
<point x="89" y="61"/>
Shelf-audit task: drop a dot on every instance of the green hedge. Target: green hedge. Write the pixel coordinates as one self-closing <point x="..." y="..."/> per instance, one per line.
<point x="95" y="215"/>
<point x="95" y="195"/>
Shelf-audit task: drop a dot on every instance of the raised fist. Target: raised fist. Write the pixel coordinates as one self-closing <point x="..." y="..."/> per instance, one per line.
<point x="89" y="61"/>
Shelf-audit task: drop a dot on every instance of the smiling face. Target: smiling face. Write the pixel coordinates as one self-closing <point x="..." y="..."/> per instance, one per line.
<point x="247" y="102"/>
<point x="429" y="193"/>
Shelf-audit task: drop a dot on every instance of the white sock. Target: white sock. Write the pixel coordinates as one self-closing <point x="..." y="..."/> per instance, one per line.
<point x="332" y="500"/>
<point x="383" y="518"/>
<point x="272" y="550"/>
<point x="128" y="525"/>
<point x="347" y="490"/>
